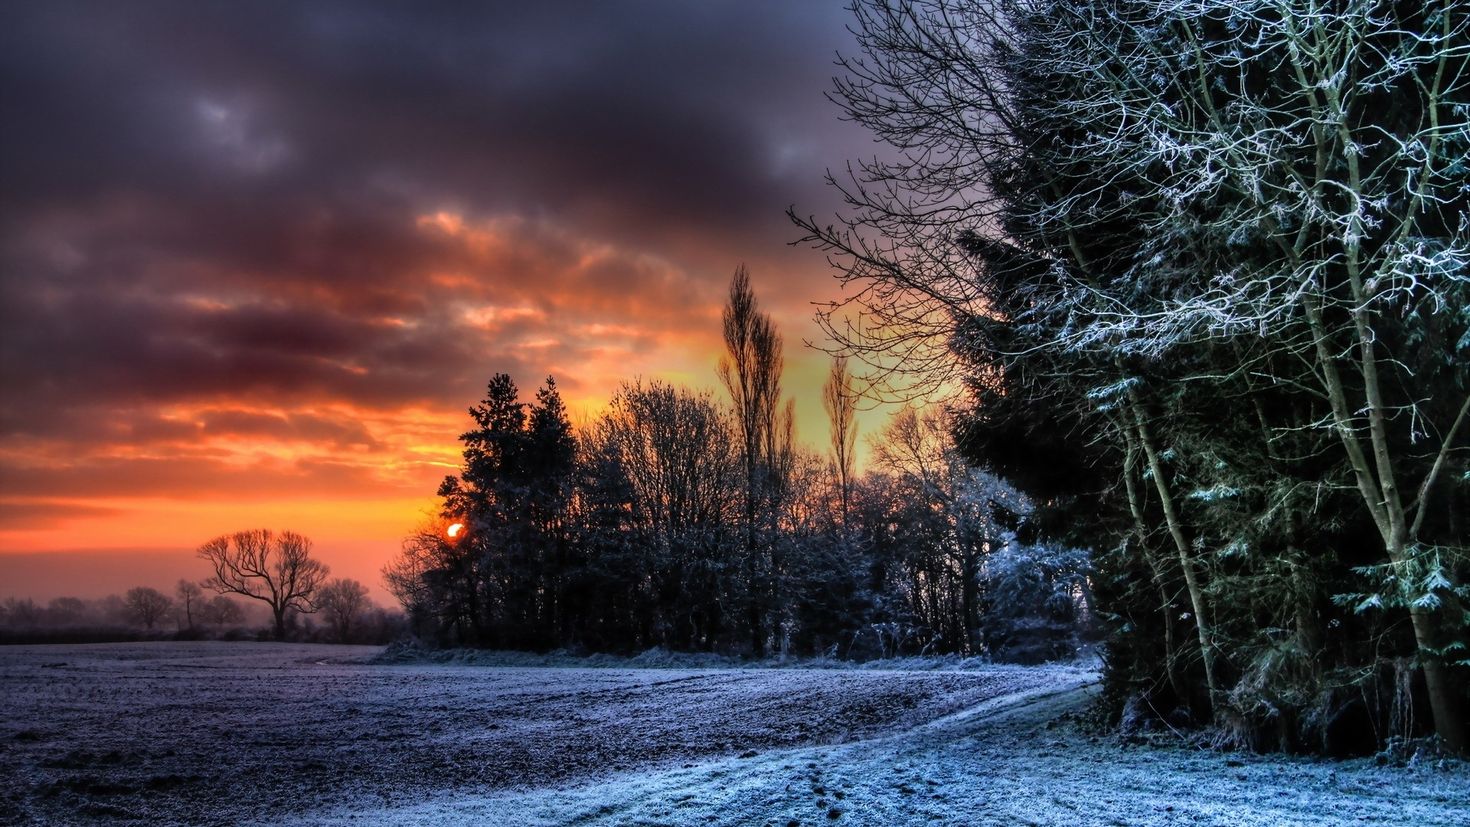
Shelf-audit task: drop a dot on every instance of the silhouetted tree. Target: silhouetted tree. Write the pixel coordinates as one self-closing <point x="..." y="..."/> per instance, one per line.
<point x="277" y="569"/>
<point x="673" y="452"/>
<point x="839" y="399"/>
<point x="64" y="611"/>
<point x="513" y="497"/>
<point x="751" y="372"/>
<point x="21" y="612"/>
<point x="221" y="611"/>
<point x="190" y="596"/>
<point x="147" y="605"/>
<point x="550" y="460"/>
<point x="341" y="601"/>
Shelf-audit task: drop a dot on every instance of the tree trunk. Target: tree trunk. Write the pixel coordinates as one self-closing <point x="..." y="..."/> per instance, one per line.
<point x="1439" y="679"/>
<point x="1381" y="497"/>
<point x="753" y="608"/>
<point x="1140" y="525"/>
<point x="1186" y="557"/>
<point x="969" y="600"/>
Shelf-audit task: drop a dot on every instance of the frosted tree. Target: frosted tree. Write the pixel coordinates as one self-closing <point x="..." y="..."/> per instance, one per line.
<point x="952" y="510"/>
<point x="1301" y="184"/>
<point x="1118" y="214"/>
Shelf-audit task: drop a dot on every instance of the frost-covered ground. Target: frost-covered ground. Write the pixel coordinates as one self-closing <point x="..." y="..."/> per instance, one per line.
<point x="261" y="733"/>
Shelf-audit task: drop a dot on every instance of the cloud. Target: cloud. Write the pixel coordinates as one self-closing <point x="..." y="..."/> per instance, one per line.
<point x="276" y="249"/>
<point x="29" y="514"/>
<point x="521" y="296"/>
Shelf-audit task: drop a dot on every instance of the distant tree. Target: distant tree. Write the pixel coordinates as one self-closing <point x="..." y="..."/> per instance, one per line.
<point x="751" y="372"/>
<point x="1034" y="598"/>
<point x="112" y="609"/>
<point x="412" y="577"/>
<point x="190" y="597"/>
<point x="64" y="611"/>
<point x="147" y="605"/>
<point x="21" y="612"/>
<point x="952" y="515"/>
<point x="341" y="601"/>
<point x="221" y="611"/>
<point x="839" y="399"/>
<point x="277" y="569"/>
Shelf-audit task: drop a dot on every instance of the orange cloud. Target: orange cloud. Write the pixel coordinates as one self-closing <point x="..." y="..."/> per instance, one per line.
<point x="306" y="410"/>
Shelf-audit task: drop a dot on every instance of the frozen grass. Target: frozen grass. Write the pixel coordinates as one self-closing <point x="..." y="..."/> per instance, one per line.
<point x="262" y="733"/>
<point x="182" y="731"/>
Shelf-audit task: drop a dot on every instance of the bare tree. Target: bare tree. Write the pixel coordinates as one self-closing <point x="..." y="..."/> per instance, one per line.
<point x="64" y="611"/>
<point x="675" y="457"/>
<point x="147" y="605"/>
<point x="274" y="568"/>
<point x="839" y="398"/>
<point x="190" y="599"/>
<point x="19" y="612"/>
<point x="675" y="448"/>
<point x="221" y="611"/>
<point x="751" y="372"/>
<point x="929" y="86"/>
<point x="953" y="507"/>
<point x="342" y="600"/>
<point x="422" y="553"/>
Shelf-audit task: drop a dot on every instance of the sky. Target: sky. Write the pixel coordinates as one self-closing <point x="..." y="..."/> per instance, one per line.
<point x="258" y="259"/>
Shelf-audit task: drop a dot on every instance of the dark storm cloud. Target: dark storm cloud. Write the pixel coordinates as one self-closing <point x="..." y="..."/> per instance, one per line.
<point x="275" y="156"/>
<point x="661" y="112"/>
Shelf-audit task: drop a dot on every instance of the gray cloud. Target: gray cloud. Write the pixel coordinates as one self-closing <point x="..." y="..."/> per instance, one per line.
<point x="221" y="203"/>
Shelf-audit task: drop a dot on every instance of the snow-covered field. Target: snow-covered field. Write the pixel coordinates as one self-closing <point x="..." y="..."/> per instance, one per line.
<point x="263" y="733"/>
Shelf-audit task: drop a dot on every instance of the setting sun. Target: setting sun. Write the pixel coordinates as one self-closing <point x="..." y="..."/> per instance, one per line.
<point x="454" y="530"/>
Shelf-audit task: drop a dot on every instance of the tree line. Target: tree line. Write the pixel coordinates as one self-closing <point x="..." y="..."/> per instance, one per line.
<point x="283" y="585"/>
<point x="145" y="607"/>
<point x="1203" y="271"/>
<point x="690" y="521"/>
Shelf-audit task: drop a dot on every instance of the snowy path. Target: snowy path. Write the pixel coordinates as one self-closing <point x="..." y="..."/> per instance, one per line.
<point x="1003" y="762"/>
<point x="878" y="781"/>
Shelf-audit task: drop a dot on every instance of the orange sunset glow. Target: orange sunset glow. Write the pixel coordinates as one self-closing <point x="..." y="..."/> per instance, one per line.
<point x="260" y="303"/>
